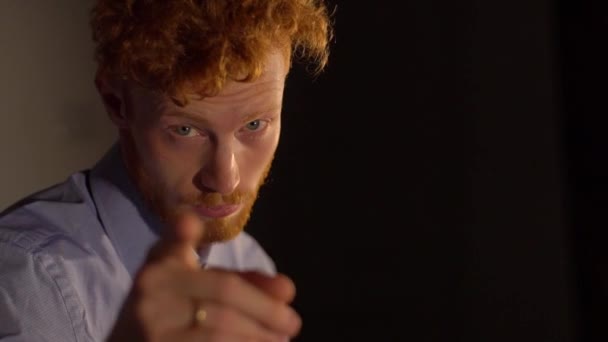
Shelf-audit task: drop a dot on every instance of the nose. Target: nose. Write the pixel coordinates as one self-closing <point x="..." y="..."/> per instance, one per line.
<point x="221" y="174"/>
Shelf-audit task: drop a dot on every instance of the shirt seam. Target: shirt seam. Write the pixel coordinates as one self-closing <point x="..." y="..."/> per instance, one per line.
<point x="38" y="258"/>
<point x="44" y="267"/>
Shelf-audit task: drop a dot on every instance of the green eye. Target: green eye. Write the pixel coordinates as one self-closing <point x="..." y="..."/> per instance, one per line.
<point x="253" y="125"/>
<point x="183" y="130"/>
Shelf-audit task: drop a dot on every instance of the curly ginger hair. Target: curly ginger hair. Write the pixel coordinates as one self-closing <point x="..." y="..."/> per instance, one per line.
<point x="195" y="46"/>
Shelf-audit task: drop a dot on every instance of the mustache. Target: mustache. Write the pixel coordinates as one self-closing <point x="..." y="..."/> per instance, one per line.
<point x="214" y="198"/>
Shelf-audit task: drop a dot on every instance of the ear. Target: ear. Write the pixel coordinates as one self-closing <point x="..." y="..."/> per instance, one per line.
<point x="112" y="94"/>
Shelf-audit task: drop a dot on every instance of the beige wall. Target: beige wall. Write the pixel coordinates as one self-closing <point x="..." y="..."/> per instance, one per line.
<point x="51" y="120"/>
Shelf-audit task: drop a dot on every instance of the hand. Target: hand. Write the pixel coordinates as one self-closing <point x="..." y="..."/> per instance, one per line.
<point x="239" y="306"/>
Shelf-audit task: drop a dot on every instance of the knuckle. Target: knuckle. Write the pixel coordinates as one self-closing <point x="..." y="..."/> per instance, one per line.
<point x="222" y="318"/>
<point x="227" y="286"/>
<point x="156" y="337"/>
<point x="215" y="336"/>
<point x="147" y="277"/>
<point x="276" y="313"/>
<point x="279" y="314"/>
<point x="143" y="310"/>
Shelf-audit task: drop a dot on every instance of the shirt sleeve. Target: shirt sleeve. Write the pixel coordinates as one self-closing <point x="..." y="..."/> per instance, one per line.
<point x="33" y="306"/>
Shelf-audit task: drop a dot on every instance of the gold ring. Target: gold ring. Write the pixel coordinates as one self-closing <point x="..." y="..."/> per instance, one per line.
<point x="200" y="315"/>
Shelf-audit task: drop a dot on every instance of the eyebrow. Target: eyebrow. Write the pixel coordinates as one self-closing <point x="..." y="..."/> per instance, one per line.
<point x="270" y="109"/>
<point x="189" y="116"/>
<point x="204" y="121"/>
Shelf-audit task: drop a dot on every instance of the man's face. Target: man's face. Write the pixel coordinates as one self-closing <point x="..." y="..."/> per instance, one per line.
<point x="209" y="157"/>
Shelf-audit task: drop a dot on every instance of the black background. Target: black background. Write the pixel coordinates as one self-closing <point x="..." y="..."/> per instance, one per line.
<point x="443" y="180"/>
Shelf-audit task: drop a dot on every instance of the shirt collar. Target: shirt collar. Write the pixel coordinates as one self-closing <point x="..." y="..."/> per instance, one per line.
<point x="131" y="226"/>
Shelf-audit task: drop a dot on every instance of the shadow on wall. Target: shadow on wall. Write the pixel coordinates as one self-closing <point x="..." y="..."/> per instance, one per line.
<point x="53" y="122"/>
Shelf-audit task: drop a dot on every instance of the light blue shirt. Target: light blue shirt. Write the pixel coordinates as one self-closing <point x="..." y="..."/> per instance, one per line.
<point x="68" y="255"/>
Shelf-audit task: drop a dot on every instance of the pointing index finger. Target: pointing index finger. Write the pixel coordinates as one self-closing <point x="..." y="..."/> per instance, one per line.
<point x="179" y="241"/>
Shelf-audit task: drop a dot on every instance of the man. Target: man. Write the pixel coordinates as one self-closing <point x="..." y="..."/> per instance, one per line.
<point x="148" y="245"/>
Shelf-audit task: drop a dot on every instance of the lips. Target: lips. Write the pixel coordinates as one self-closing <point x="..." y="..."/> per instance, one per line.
<point x="217" y="211"/>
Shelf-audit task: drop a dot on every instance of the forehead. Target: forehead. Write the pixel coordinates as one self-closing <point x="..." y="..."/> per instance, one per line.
<point x="268" y="87"/>
<point x="275" y="71"/>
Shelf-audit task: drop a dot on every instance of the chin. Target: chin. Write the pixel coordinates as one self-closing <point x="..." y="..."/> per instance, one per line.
<point x="224" y="229"/>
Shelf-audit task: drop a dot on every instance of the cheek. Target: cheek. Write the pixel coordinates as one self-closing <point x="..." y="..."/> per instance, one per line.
<point x="151" y="150"/>
<point x="163" y="161"/>
<point x="255" y="160"/>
